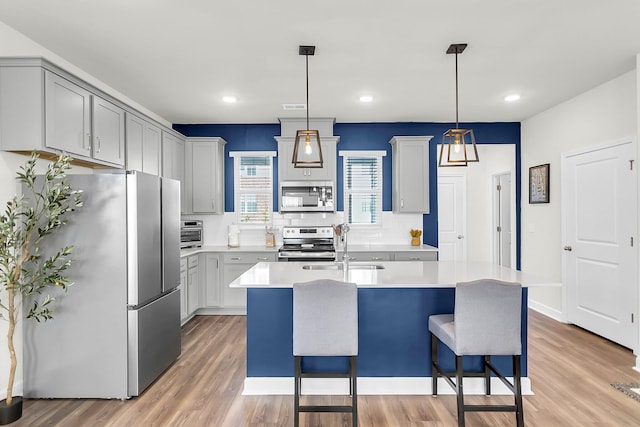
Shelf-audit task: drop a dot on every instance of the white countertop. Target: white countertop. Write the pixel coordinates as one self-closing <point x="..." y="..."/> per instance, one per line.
<point x="351" y="247"/>
<point x="396" y="274"/>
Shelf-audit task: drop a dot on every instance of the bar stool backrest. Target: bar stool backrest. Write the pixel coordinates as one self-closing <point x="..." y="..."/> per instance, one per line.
<point x="487" y="318"/>
<point x="325" y="318"/>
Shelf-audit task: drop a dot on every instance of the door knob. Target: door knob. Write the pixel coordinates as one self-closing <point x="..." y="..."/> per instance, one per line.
<point x="568" y="248"/>
<point x="460" y="236"/>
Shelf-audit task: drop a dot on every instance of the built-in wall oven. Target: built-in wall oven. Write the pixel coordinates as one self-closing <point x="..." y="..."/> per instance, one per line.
<point x="191" y="233"/>
<point x="301" y="243"/>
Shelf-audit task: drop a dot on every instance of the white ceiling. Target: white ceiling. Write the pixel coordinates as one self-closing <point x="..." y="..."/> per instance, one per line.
<point x="179" y="58"/>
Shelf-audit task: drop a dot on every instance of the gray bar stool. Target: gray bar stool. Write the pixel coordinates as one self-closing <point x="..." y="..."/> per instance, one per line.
<point x="325" y="323"/>
<point x="486" y="322"/>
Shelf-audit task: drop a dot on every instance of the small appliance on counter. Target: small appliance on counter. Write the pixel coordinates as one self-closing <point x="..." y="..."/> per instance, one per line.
<point x="191" y="234"/>
<point x="234" y="236"/>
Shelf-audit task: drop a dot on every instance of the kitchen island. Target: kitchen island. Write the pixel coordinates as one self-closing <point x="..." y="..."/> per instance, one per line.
<point x="395" y="300"/>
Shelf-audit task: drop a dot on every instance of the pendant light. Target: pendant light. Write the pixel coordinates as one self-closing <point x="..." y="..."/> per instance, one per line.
<point x="460" y="144"/>
<point x="307" y="152"/>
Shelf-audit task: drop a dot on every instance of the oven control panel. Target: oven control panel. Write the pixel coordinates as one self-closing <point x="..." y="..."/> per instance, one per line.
<point x="321" y="232"/>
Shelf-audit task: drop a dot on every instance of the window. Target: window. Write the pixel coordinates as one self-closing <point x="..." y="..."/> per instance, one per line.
<point x="253" y="186"/>
<point x="362" y="178"/>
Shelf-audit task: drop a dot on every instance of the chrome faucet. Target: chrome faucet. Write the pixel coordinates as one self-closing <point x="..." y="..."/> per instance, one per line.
<point x="341" y="231"/>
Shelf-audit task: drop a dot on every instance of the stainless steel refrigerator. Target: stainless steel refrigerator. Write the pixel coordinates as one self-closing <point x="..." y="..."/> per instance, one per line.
<point x="117" y="328"/>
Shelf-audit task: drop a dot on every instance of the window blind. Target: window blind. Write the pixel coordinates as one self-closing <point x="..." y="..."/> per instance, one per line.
<point x="363" y="188"/>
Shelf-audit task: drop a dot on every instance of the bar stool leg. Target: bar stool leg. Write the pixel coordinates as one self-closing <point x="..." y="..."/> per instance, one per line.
<point x="460" y="391"/>
<point x="487" y="375"/>
<point x="518" y="391"/>
<point x="434" y="360"/>
<point x="354" y="396"/>
<point x="297" y="363"/>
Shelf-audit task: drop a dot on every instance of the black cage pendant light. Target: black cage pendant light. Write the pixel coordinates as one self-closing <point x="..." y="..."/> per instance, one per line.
<point x="460" y="144"/>
<point x="307" y="152"/>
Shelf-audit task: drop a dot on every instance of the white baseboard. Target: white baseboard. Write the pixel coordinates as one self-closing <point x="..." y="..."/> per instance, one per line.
<point x="547" y="311"/>
<point x="372" y="386"/>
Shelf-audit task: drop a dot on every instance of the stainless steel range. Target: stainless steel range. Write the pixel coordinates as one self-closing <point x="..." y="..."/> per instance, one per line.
<point x="307" y="244"/>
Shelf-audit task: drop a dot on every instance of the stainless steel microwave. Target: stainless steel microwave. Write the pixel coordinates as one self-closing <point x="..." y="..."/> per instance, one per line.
<point x="307" y="196"/>
<point x="191" y="233"/>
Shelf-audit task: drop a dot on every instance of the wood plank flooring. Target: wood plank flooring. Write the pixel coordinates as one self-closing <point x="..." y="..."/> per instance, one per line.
<point x="571" y="371"/>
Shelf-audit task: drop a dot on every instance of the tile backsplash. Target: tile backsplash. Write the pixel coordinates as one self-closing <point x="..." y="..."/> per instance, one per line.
<point x="394" y="228"/>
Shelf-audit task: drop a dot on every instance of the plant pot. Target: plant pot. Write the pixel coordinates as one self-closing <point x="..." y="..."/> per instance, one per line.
<point x="11" y="413"/>
<point x="415" y="241"/>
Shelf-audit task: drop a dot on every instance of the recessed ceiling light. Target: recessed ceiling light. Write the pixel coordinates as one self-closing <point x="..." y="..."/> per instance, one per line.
<point x="229" y="99"/>
<point x="366" y="98"/>
<point x="512" y="98"/>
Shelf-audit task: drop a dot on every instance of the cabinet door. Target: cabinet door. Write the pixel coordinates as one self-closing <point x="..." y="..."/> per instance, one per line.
<point x="184" y="284"/>
<point x="234" y="297"/>
<point x="134" y="137"/>
<point x="207" y="182"/>
<point x="212" y="282"/>
<point x="287" y="172"/>
<point x="108" y="131"/>
<point x="151" y="149"/>
<point x="67" y="116"/>
<point x="410" y="174"/>
<point x="192" y="292"/>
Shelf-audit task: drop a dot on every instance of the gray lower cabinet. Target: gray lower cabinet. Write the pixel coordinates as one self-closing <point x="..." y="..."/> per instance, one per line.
<point x="212" y="296"/>
<point x="193" y="284"/>
<point x="416" y="256"/>
<point x="233" y="266"/>
<point x="369" y="256"/>
<point x="184" y="310"/>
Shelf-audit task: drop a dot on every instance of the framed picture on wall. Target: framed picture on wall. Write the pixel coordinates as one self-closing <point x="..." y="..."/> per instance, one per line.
<point x="539" y="184"/>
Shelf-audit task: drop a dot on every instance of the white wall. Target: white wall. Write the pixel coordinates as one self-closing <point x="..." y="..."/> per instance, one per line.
<point x="605" y="113"/>
<point x="494" y="159"/>
<point x="15" y="44"/>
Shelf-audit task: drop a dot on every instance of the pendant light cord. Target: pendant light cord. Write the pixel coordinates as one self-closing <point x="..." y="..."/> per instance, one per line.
<point x="307" y="68"/>
<point x="456" y="90"/>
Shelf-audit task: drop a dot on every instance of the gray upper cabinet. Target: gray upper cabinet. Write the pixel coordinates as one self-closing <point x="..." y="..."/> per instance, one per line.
<point x="204" y="175"/>
<point x="46" y="109"/>
<point x="68" y="116"/>
<point x="173" y="162"/>
<point x="107" y="131"/>
<point x="410" y="173"/>
<point x="143" y="145"/>
<point x="286" y="171"/>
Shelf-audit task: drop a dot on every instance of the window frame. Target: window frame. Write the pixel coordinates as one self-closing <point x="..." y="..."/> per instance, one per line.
<point x="237" y="192"/>
<point x="378" y="154"/>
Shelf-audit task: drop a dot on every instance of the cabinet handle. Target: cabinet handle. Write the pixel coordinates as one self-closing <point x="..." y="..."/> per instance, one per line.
<point x="376" y="258"/>
<point x="213" y="204"/>
<point x="414" y="258"/>
<point x="88" y="141"/>
<point x="235" y="258"/>
<point x="98" y="145"/>
<point x="402" y="203"/>
<point x="262" y="258"/>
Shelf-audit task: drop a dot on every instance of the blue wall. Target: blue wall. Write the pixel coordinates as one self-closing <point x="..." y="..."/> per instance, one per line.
<point x="361" y="136"/>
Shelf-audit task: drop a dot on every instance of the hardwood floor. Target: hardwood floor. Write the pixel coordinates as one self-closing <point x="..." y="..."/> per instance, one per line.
<point x="571" y="371"/>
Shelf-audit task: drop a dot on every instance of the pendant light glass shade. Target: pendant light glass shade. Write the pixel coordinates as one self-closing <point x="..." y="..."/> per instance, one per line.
<point x="459" y="144"/>
<point x="307" y="151"/>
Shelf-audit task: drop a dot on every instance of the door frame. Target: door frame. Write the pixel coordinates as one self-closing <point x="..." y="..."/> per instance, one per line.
<point x="494" y="217"/>
<point x="563" y="212"/>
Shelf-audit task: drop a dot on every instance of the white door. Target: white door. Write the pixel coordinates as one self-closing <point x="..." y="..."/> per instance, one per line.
<point x="599" y="190"/>
<point x="451" y="218"/>
<point x="502" y="219"/>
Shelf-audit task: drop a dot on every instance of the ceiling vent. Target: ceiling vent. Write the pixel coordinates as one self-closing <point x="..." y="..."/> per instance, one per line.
<point x="294" y="106"/>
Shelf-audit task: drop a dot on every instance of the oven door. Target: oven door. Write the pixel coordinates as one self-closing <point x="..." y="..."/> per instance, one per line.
<point x="307" y="256"/>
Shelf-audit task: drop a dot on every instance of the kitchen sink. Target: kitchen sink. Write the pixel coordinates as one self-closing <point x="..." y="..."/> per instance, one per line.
<point x="340" y="266"/>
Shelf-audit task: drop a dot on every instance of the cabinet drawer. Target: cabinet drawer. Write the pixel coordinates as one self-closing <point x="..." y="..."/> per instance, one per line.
<point x="369" y="256"/>
<point x="415" y="256"/>
<point x="249" y="257"/>
<point x="193" y="261"/>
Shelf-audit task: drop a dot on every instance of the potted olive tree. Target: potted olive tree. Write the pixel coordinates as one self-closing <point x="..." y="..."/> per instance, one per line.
<point x="24" y="271"/>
